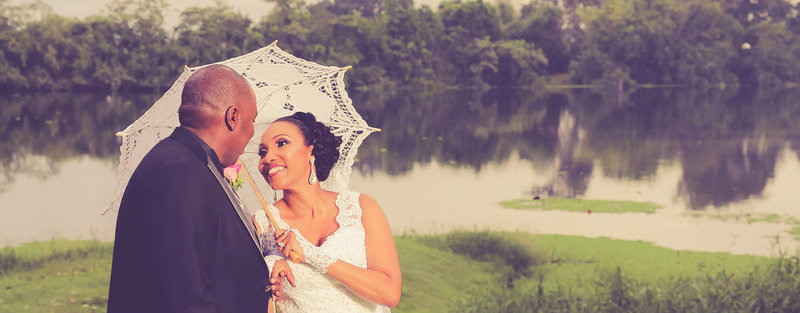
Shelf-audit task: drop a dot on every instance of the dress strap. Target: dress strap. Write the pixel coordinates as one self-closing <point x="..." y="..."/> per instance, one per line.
<point x="263" y="221"/>
<point x="350" y="209"/>
<point x="277" y="215"/>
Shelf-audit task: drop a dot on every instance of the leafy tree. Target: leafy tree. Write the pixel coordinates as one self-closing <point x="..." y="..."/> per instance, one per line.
<point x="367" y="8"/>
<point x="658" y="41"/>
<point x="471" y="19"/>
<point x="469" y="29"/>
<point x="541" y="24"/>
<point x="288" y="23"/>
<point x="771" y="55"/>
<point x="750" y="12"/>
<point x="211" y="34"/>
<point x="519" y="63"/>
<point x="705" y="45"/>
<point x="410" y="42"/>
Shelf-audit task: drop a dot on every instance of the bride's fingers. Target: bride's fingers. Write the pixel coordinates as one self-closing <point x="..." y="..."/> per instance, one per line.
<point x="286" y="249"/>
<point x="292" y="246"/>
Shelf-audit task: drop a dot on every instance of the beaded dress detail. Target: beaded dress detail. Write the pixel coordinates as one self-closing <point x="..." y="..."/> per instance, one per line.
<point x="316" y="291"/>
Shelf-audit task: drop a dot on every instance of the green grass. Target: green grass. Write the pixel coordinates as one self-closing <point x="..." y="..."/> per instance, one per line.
<point x="462" y="271"/>
<point x="60" y="276"/>
<point x="750" y="218"/>
<point x="605" y="275"/>
<point x="578" y="205"/>
<point x="73" y="276"/>
<point x="433" y="277"/>
<point x="576" y="263"/>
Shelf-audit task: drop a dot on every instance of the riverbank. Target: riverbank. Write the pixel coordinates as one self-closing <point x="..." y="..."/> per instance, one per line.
<point x="458" y="271"/>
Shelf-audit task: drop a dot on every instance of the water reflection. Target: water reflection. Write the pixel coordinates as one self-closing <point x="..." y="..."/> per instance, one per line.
<point x="41" y="131"/>
<point x="727" y="143"/>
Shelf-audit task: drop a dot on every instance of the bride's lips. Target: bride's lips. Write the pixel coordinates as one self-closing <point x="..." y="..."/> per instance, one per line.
<point x="275" y="169"/>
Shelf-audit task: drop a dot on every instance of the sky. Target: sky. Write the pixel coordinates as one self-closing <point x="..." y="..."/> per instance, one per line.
<point x="254" y="9"/>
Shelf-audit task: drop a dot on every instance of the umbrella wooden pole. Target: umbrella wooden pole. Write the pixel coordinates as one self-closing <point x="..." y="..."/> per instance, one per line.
<point x="292" y="255"/>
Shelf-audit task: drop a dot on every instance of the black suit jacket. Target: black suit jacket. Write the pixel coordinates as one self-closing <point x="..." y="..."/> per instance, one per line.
<point x="180" y="244"/>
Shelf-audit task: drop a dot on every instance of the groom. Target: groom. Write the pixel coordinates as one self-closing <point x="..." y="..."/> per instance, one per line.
<point x="183" y="240"/>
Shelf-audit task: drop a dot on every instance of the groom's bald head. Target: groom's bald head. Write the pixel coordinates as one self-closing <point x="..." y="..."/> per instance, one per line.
<point x="208" y="93"/>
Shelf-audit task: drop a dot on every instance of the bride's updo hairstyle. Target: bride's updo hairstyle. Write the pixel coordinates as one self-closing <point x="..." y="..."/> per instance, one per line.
<point x="326" y="144"/>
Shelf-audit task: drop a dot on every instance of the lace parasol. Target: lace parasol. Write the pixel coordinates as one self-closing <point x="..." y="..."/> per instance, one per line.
<point x="283" y="84"/>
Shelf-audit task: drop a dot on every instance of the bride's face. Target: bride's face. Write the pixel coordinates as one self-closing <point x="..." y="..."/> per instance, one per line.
<point x="284" y="156"/>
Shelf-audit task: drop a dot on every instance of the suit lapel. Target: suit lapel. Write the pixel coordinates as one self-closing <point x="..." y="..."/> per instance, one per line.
<point x="203" y="151"/>
<point x="234" y="199"/>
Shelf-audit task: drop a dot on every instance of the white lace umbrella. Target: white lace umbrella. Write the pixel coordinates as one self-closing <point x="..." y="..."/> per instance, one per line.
<point x="283" y="84"/>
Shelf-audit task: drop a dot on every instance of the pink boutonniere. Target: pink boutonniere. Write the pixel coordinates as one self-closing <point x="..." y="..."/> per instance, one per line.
<point x="232" y="175"/>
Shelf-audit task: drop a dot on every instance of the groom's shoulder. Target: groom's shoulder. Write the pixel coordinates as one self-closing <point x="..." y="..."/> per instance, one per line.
<point x="169" y="156"/>
<point x="171" y="148"/>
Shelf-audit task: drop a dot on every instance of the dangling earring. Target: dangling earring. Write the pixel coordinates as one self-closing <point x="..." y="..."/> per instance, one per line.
<point x="274" y="196"/>
<point x="312" y="178"/>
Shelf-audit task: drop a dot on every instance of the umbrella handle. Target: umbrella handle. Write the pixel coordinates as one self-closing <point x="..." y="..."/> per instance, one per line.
<point x="292" y="255"/>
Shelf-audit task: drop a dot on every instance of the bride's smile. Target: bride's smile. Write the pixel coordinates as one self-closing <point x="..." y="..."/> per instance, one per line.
<point x="274" y="169"/>
<point x="284" y="156"/>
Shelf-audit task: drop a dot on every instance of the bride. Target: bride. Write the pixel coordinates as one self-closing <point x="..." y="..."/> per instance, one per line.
<point x="348" y="261"/>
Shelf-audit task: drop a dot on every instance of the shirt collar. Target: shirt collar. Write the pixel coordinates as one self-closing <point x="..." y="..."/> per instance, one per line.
<point x="197" y="145"/>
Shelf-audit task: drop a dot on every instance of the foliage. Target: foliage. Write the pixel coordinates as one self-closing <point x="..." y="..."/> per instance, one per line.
<point x="394" y="43"/>
<point x="772" y="289"/>
<point x="511" y="258"/>
<point x="464" y="271"/>
<point x="604" y="275"/>
<point x="659" y="42"/>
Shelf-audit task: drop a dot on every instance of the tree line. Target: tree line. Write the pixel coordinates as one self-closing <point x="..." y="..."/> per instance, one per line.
<point x="393" y="43"/>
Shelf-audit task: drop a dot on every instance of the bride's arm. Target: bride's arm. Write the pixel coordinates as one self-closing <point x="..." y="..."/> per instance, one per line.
<point x="380" y="282"/>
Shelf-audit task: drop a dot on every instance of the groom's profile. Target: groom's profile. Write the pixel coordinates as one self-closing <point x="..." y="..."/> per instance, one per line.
<point x="183" y="241"/>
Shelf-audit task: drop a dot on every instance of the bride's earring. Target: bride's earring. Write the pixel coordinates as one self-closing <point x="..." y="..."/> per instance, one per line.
<point x="312" y="178"/>
<point x="274" y="196"/>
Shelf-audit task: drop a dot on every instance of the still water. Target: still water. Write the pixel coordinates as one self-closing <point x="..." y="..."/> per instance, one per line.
<point x="715" y="161"/>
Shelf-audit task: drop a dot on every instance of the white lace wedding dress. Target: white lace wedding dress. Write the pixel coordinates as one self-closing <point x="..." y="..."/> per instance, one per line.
<point x="316" y="291"/>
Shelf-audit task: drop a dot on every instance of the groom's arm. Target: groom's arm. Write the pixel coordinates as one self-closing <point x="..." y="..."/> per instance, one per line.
<point x="179" y="234"/>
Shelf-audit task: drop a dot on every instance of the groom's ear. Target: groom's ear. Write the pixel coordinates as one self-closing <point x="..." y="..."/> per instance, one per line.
<point x="231" y="117"/>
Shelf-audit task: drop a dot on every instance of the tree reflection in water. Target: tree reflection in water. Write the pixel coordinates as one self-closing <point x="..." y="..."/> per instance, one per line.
<point x="727" y="141"/>
<point x="41" y="131"/>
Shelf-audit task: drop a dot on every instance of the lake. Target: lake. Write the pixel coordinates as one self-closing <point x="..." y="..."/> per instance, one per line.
<point x="724" y="165"/>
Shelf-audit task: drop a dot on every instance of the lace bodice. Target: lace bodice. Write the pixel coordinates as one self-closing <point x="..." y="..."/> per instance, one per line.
<point x="316" y="291"/>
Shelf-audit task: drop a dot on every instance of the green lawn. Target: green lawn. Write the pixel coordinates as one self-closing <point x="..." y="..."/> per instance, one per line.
<point x="433" y="278"/>
<point x="578" y="263"/>
<point x="579" y="205"/>
<point x="439" y="272"/>
<point x="55" y="276"/>
<point x="73" y="276"/>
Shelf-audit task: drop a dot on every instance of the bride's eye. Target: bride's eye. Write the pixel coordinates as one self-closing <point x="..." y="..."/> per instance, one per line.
<point x="262" y="152"/>
<point x="282" y="142"/>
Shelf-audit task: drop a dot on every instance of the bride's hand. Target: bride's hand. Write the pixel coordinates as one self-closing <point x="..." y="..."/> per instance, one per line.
<point x="287" y="242"/>
<point x="280" y="271"/>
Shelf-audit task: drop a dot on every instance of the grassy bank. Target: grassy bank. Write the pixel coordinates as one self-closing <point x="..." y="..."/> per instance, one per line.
<point x="73" y="276"/>
<point x="580" y="205"/>
<point x="471" y="272"/>
<point x="577" y="274"/>
<point x="55" y="276"/>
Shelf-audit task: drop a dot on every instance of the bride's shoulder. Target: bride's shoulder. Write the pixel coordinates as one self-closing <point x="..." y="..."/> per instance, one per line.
<point x="365" y="199"/>
<point x="369" y="206"/>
